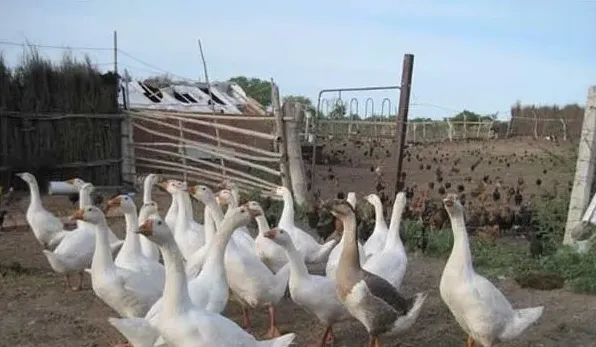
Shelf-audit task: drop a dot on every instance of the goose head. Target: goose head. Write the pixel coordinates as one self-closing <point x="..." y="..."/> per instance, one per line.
<point x="172" y="186"/>
<point x="279" y="236"/>
<point x="150" y="208"/>
<point x="202" y="193"/>
<point x="223" y="197"/>
<point x="156" y="230"/>
<point x="27" y="177"/>
<point x="87" y="188"/>
<point x="124" y="202"/>
<point x="253" y="205"/>
<point x="227" y="184"/>
<point x="453" y="206"/>
<point x="152" y="179"/>
<point x="77" y="182"/>
<point x="372" y="199"/>
<point x="340" y="209"/>
<point x="281" y="191"/>
<point x="89" y="214"/>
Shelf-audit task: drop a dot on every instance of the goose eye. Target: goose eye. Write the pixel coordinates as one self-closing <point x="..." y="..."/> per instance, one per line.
<point x="242" y="210"/>
<point x="158" y="222"/>
<point x="281" y="231"/>
<point x="89" y="209"/>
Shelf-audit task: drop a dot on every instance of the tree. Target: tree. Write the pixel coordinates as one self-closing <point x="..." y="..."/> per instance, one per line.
<point x="303" y="100"/>
<point x="258" y="89"/>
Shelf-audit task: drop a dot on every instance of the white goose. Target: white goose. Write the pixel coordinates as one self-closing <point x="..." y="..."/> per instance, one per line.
<point x="85" y="190"/>
<point x="252" y="283"/>
<point x="208" y="291"/>
<point x="271" y="254"/>
<point x="183" y="324"/>
<point x="47" y="228"/>
<point x="391" y="261"/>
<point x="242" y="237"/>
<point x="313" y="251"/>
<point x="479" y="308"/>
<point x="75" y="251"/>
<point x="174" y="210"/>
<point x="127" y="292"/>
<point x="130" y="256"/>
<point x="313" y="292"/>
<point x="189" y="240"/>
<point x="376" y="240"/>
<point x="148" y="248"/>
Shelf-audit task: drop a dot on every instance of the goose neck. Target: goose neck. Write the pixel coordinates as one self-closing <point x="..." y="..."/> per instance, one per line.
<point x="350" y="256"/>
<point x="393" y="237"/>
<point x="132" y="225"/>
<point x="298" y="269"/>
<point x="147" y="186"/>
<point x="379" y="217"/>
<point x="217" y="247"/>
<point x="287" y="213"/>
<point x="84" y="198"/>
<point x="209" y="225"/>
<point x="35" y="195"/>
<point x="175" y="295"/>
<point x="461" y="255"/>
<point x="102" y="257"/>
<point x="262" y="224"/>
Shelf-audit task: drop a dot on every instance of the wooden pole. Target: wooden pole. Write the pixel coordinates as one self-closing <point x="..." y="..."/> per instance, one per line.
<point x="280" y="144"/>
<point x="402" y="115"/>
<point x="117" y="86"/>
<point x="584" y="169"/>
<point x="217" y="135"/>
<point x="295" y="163"/>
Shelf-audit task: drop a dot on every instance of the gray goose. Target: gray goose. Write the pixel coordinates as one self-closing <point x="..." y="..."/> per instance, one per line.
<point x="373" y="301"/>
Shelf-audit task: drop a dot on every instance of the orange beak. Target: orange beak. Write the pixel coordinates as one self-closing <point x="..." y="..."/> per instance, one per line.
<point x="271" y="234"/>
<point x="115" y="202"/>
<point x="146" y="228"/>
<point x="78" y="215"/>
<point x="192" y="190"/>
<point x="71" y="181"/>
<point x="163" y="184"/>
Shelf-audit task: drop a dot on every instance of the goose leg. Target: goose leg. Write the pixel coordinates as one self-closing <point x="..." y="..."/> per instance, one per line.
<point x="273" y="330"/>
<point x="323" y="341"/>
<point x="374" y="341"/>
<point x="330" y="338"/>
<point x="67" y="279"/>
<point x="80" y="285"/>
<point x="245" y="318"/>
<point x="470" y="342"/>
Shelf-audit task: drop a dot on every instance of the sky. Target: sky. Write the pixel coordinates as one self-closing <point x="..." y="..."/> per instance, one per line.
<point x="480" y="55"/>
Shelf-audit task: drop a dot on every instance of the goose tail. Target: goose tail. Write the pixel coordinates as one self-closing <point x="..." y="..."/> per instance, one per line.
<point x="522" y="319"/>
<point x="282" y="341"/>
<point x="57" y="261"/>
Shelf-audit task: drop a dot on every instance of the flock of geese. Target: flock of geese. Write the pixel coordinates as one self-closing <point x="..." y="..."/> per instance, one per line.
<point x="171" y="277"/>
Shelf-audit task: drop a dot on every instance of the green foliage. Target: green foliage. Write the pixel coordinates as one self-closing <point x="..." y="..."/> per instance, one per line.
<point x="470" y="116"/>
<point x="258" y="89"/>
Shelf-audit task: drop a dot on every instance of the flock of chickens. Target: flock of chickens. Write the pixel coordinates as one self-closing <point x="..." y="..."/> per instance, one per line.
<point x="171" y="277"/>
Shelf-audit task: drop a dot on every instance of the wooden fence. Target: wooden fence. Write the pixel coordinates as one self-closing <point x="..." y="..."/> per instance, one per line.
<point x="207" y="148"/>
<point x="436" y="131"/>
<point x="61" y="146"/>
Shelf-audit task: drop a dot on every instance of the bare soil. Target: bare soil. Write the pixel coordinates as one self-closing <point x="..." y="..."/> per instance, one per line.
<point x="39" y="311"/>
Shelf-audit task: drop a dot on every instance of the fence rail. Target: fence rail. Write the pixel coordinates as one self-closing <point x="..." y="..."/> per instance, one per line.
<point x="208" y="148"/>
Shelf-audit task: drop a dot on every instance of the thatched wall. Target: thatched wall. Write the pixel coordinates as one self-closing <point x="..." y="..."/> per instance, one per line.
<point x="58" y="121"/>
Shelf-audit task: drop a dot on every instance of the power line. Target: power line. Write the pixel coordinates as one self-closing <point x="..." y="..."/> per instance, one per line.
<point x="82" y="48"/>
<point x="151" y="66"/>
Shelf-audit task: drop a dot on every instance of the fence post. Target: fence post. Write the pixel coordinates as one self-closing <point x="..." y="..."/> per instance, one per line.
<point x="281" y="143"/>
<point x="584" y="169"/>
<point x="127" y="150"/>
<point x="292" y="112"/>
<point x="402" y="115"/>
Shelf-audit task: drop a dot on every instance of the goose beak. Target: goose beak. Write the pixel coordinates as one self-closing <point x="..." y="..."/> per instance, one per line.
<point x="448" y="202"/>
<point x="253" y="211"/>
<point x="163" y="184"/>
<point x="115" y="202"/>
<point x="77" y="215"/>
<point x="192" y="190"/>
<point x="271" y="234"/>
<point x="71" y="181"/>
<point x="146" y="228"/>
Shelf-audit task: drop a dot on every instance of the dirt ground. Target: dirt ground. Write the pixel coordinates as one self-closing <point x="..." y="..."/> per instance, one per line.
<point x="39" y="311"/>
